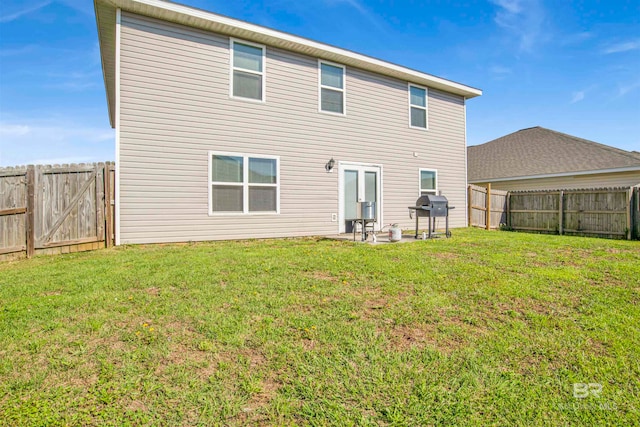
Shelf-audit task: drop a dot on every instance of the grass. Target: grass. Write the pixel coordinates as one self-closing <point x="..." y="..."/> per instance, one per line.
<point x="486" y="328"/>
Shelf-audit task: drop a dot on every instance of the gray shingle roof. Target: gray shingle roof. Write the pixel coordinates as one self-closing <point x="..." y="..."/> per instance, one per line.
<point x="540" y="151"/>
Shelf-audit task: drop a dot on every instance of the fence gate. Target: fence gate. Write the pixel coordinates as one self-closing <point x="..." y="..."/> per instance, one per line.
<point x="70" y="203"/>
<point x="66" y="207"/>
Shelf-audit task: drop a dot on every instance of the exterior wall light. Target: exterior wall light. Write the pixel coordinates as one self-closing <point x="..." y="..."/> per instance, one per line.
<point x="330" y="164"/>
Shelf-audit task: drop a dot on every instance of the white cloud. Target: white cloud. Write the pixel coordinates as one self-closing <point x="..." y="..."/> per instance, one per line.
<point x="73" y="86"/>
<point x="499" y="72"/>
<point x="83" y="6"/>
<point x="357" y="5"/>
<point x="623" y="90"/>
<point x="53" y="140"/>
<point x="622" y="47"/>
<point x="511" y="6"/>
<point x="75" y="81"/>
<point x="499" y="69"/>
<point x="23" y="50"/>
<point x="8" y="130"/>
<point x="578" y="96"/>
<point x="25" y="11"/>
<point x="576" y="38"/>
<point x="522" y="19"/>
<point x="72" y="80"/>
<point x="59" y="160"/>
<point x="52" y="131"/>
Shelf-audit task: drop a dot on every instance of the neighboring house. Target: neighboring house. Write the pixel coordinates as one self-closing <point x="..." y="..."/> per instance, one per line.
<point x="543" y="159"/>
<point x="226" y="129"/>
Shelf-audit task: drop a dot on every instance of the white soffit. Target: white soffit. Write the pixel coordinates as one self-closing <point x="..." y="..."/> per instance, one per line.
<point x="209" y="21"/>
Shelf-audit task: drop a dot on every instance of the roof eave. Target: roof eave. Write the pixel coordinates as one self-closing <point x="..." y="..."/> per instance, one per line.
<point x="106" y="21"/>
<point x="557" y="175"/>
<point x="209" y="21"/>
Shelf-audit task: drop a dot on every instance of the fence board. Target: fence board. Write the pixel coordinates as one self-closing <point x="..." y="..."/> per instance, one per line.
<point x="31" y="211"/>
<point x="498" y="208"/>
<point x="15" y="211"/>
<point x="98" y="206"/>
<point x="108" y="212"/>
<point x="56" y="206"/>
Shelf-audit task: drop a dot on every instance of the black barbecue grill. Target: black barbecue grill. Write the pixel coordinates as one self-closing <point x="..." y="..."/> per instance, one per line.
<point x="432" y="207"/>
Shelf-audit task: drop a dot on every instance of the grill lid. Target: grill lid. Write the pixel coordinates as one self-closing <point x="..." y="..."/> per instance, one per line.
<point x="429" y="199"/>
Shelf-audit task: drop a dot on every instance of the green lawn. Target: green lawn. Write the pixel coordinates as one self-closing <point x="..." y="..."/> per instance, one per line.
<point x="486" y="328"/>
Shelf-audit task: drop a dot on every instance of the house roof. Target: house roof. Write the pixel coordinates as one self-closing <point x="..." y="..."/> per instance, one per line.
<point x="177" y="13"/>
<point x="538" y="152"/>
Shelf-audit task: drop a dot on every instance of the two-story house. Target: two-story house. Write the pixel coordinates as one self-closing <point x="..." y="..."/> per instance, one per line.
<point x="228" y="130"/>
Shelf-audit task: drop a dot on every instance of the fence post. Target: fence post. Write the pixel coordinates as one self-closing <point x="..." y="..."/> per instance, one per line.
<point x="107" y="205"/>
<point x="629" y="223"/>
<point x="508" y="210"/>
<point x="31" y="203"/>
<point x="636" y="213"/>
<point x="469" y="208"/>
<point x="99" y="205"/>
<point x="488" y="206"/>
<point x="561" y="213"/>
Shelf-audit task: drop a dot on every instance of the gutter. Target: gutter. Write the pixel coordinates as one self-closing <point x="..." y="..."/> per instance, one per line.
<point x="561" y="174"/>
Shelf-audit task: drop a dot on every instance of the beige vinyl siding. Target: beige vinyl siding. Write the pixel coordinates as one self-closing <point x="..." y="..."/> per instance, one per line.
<point x="600" y="180"/>
<point x="175" y="108"/>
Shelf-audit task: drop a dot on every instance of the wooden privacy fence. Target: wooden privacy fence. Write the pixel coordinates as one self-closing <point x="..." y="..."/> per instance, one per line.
<point x="56" y="209"/>
<point x="604" y="212"/>
<point x="487" y="207"/>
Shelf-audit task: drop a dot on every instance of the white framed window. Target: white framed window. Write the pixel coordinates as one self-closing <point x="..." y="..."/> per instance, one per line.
<point x="243" y="184"/>
<point x="331" y="88"/>
<point x="247" y="73"/>
<point x="428" y="181"/>
<point x="418" y="107"/>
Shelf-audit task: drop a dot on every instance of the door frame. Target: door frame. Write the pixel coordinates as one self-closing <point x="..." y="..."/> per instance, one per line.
<point x="342" y="165"/>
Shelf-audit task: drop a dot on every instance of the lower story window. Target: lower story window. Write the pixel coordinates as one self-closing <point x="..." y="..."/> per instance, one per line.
<point x="243" y="183"/>
<point x="428" y="182"/>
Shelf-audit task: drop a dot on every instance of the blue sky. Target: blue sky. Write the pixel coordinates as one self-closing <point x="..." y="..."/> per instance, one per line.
<point x="571" y="66"/>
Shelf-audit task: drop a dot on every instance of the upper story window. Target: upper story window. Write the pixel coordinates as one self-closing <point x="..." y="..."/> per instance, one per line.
<point x="247" y="70"/>
<point x="243" y="183"/>
<point x="418" y="107"/>
<point x="332" y="88"/>
<point x="428" y="182"/>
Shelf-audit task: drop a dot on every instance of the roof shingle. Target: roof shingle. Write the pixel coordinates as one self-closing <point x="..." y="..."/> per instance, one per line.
<point x="540" y="151"/>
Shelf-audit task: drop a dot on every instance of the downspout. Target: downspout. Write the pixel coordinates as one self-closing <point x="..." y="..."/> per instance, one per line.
<point x="117" y="123"/>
